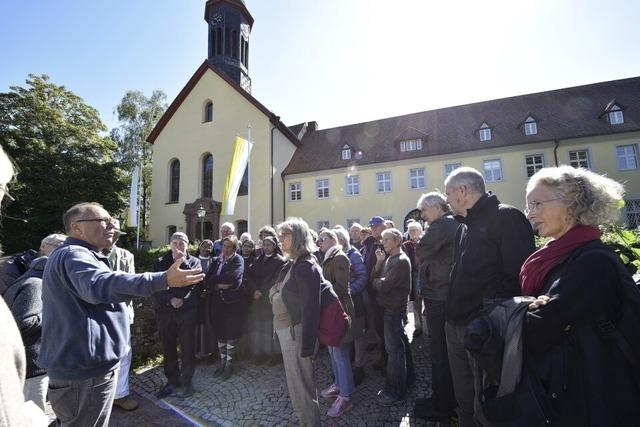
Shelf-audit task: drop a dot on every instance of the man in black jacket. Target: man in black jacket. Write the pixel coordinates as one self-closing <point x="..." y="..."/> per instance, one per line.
<point x="435" y="252"/>
<point x="490" y="246"/>
<point x="176" y="316"/>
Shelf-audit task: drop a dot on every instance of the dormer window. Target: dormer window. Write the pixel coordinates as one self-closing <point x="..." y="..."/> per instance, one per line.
<point x="615" y="115"/>
<point x="484" y="132"/>
<point x="530" y="126"/>
<point x="346" y="152"/>
<point x="411" y="144"/>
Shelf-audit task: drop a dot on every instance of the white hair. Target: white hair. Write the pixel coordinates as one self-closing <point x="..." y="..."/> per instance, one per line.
<point x="467" y="177"/>
<point x="590" y="198"/>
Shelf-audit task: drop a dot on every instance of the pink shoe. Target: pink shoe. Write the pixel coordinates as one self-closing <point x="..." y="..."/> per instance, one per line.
<point x="340" y="406"/>
<point x="330" y="392"/>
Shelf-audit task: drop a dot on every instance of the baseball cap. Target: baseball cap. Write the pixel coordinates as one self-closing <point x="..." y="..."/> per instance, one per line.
<point x="376" y="220"/>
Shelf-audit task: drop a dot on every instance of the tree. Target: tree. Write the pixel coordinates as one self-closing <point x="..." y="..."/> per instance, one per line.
<point x="138" y="115"/>
<point x="55" y="141"/>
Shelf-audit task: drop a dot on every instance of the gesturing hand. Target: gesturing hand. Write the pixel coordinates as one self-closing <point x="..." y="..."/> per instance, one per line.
<point x="380" y="255"/>
<point x="178" y="278"/>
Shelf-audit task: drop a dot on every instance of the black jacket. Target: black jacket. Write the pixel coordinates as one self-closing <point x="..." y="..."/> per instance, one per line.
<point x="435" y="251"/>
<point x="24" y="298"/>
<point x="232" y="272"/>
<point x="301" y="295"/>
<point x="368" y="251"/>
<point x="489" y="251"/>
<point x="599" y="389"/>
<point x="190" y="294"/>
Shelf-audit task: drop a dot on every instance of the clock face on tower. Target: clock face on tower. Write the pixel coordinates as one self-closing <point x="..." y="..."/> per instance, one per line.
<point x="217" y="18"/>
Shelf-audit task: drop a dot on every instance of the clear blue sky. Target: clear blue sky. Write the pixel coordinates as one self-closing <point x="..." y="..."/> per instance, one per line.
<point x="333" y="61"/>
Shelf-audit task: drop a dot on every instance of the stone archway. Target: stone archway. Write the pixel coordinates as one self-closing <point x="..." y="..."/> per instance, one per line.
<point x="415" y="215"/>
<point x="211" y="220"/>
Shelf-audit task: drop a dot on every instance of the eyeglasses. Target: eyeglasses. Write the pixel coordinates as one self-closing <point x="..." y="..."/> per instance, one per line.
<point x="105" y="222"/>
<point x="535" y="205"/>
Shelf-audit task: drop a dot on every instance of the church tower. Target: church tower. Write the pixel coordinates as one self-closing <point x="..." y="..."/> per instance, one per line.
<point x="229" y="27"/>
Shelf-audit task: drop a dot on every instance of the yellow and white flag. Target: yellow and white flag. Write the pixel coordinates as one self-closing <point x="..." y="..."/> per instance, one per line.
<point x="238" y="165"/>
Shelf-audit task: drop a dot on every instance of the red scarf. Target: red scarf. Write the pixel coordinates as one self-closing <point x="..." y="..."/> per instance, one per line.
<point x="535" y="269"/>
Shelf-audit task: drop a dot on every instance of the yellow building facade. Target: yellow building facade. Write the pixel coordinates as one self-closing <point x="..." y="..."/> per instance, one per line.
<point x="353" y="172"/>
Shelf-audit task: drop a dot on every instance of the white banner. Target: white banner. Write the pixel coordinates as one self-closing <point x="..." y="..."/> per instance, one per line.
<point x="133" y="198"/>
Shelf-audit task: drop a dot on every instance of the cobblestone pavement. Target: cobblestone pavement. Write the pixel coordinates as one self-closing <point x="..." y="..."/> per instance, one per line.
<point x="257" y="395"/>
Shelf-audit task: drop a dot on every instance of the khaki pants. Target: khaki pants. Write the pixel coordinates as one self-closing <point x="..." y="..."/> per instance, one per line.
<point x="300" y="378"/>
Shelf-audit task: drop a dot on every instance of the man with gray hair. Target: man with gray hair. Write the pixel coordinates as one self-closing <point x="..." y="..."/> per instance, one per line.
<point x="490" y="247"/>
<point x="356" y="236"/>
<point x="226" y="229"/>
<point x="85" y="327"/>
<point x="435" y="252"/>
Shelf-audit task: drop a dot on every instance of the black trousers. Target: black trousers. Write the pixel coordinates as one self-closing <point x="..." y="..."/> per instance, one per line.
<point x="442" y="385"/>
<point x="178" y="327"/>
<point x="378" y="318"/>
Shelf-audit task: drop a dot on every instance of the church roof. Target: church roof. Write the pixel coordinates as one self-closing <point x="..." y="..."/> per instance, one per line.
<point x="560" y="114"/>
<point x="206" y="65"/>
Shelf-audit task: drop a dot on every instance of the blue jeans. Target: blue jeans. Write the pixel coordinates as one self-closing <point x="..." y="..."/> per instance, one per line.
<point x="394" y="344"/>
<point x="341" y="364"/>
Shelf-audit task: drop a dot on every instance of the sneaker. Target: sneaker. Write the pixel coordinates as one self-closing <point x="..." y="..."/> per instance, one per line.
<point x="188" y="391"/>
<point x="385" y="400"/>
<point x="340" y="406"/>
<point x="165" y="391"/>
<point x="228" y="371"/>
<point x="126" y="403"/>
<point x="330" y="392"/>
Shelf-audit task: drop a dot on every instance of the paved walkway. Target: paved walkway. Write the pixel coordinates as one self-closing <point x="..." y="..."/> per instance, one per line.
<point x="257" y="396"/>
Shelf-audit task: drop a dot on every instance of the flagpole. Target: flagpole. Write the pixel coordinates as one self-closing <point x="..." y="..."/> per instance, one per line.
<point x="138" y="209"/>
<point x="249" y="179"/>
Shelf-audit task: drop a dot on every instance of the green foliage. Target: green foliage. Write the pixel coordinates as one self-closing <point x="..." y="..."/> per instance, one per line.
<point x="138" y="115"/>
<point x="55" y="141"/>
<point x="626" y="244"/>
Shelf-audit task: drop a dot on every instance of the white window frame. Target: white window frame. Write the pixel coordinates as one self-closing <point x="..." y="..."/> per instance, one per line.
<point x="626" y="156"/>
<point x="381" y="178"/>
<point x="417" y="178"/>
<point x="616" y="116"/>
<point x="588" y="159"/>
<point x="322" y="184"/>
<point x="536" y="166"/>
<point x="492" y="178"/>
<point x="346" y="154"/>
<point x="530" y="128"/>
<point x="484" y="133"/>
<point x="297" y="190"/>
<point x="411" y="145"/>
<point x="352" y="185"/>
<point x="446" y="165"/>
<point x="322" y="223"/>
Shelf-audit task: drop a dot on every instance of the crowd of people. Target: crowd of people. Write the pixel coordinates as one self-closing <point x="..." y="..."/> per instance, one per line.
<point x="515" y="334"/>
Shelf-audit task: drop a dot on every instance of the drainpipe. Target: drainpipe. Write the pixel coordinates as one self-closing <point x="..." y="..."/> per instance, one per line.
<point x="556" y="143"/>
<point x="271" y="171"/>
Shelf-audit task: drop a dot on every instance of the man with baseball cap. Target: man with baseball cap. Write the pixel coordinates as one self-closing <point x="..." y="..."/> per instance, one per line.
<point x="375" y="313"/>
<point x="176" y="316"/>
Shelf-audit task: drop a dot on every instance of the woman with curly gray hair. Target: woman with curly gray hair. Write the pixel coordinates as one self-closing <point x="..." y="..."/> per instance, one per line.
<point x="578" y="284"/>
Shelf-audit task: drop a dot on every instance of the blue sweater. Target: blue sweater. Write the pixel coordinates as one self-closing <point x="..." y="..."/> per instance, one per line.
<point x="85" y="328"/>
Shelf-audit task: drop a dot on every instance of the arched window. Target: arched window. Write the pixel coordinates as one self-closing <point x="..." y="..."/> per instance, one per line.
<point x="207" y="175"/>
<point x="174" y="181"/>
<point x="207" y="115"/>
